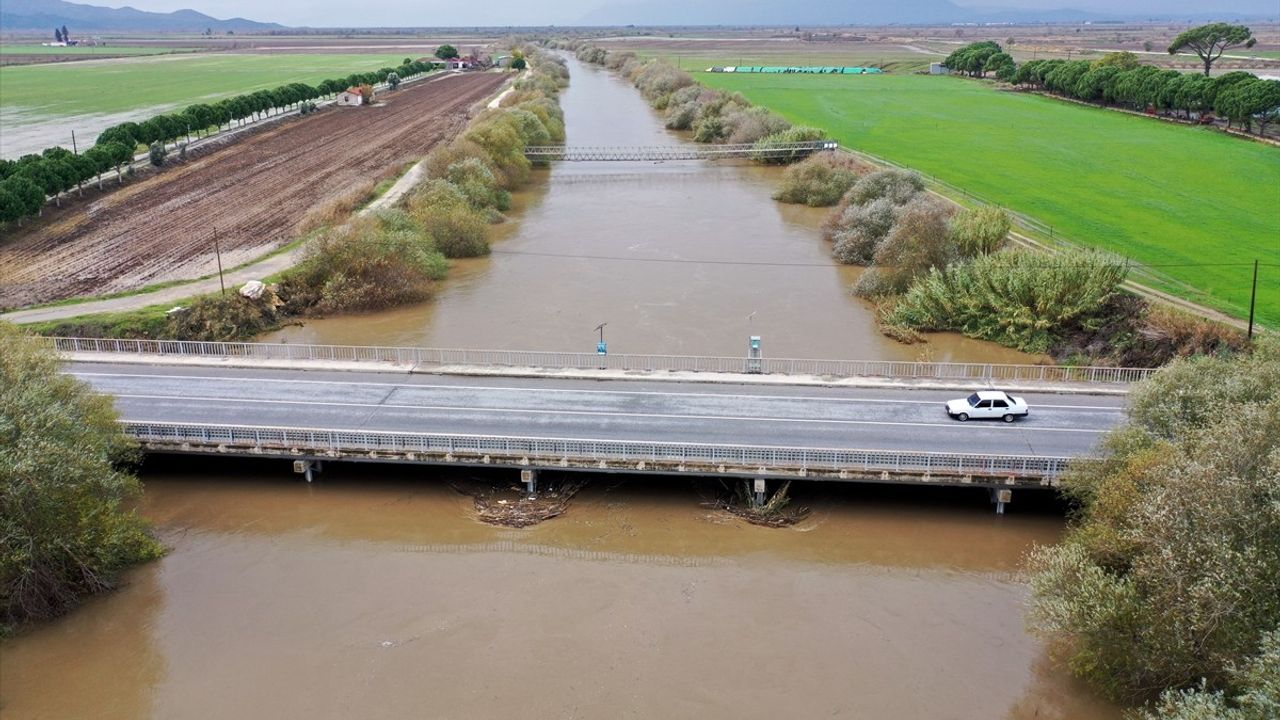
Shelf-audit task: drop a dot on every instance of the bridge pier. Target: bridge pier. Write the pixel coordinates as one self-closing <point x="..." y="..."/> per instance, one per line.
<point x="761" y="488"/>
<point x="1000" y="496"/>
<point x="530" y="480"/>
<point x="307" y="468"/>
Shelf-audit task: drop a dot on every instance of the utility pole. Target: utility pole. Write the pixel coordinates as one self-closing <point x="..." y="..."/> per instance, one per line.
<point x="217" y="249"/>
<point x="73" y="143"/>
<point x="1253" y="297"/>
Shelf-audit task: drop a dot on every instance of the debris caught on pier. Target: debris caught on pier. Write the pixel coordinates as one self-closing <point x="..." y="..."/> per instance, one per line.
<point x="512" y="506"/>
<point x="738" y="500"/>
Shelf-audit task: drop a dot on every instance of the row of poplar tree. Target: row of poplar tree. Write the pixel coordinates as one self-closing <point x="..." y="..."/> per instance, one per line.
<point x="27" y="183"/>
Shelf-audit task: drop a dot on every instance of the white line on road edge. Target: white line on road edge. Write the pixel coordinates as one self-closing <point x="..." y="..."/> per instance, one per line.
<point x="589" y="413"/>
<point x="583" y="391"/>
<point x="374" y="366"/>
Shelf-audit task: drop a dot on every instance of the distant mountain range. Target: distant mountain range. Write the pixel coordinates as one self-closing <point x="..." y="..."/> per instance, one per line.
<point x="22" y="15"/>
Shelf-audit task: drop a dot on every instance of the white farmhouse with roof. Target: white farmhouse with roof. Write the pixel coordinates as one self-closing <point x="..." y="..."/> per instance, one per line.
<point x="353" y="96"/>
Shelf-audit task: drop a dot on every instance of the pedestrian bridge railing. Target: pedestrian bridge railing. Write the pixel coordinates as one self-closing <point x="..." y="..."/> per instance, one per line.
<point x="969" y="372"/>
<point x="607" y="455"/>
<point x="687" y="151"/>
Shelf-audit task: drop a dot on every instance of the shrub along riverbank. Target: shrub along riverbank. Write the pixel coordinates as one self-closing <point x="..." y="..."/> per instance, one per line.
<point x="932" y="266"/>
<point x="1168" y="580"/>
<point x="65" y="530"/>
<point x="714" y="116"/>
<point x="394" y="256"/>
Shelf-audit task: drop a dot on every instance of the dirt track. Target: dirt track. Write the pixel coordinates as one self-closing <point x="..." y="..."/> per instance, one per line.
<point x="254" y="191"/>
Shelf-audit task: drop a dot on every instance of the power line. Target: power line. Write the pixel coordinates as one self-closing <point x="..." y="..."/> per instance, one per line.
<point x="761" y="263"/>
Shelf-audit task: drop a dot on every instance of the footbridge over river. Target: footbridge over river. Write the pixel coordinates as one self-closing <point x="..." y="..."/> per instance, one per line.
<point x="657" y="153"/>
<point x="738" y="417"/>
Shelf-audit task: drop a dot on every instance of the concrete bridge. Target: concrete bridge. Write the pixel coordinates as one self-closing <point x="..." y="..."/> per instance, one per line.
<point x="658" y="153"/>
<point x="234" y="399"/>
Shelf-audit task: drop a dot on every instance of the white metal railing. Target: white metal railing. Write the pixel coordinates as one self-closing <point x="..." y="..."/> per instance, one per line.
<point x="553" y="450"/>
<point x="685" y="151"/>
<point x="968" y="372"/>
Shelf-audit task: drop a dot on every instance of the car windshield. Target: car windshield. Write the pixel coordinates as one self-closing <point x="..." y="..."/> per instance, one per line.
<point x="973" y="400"/>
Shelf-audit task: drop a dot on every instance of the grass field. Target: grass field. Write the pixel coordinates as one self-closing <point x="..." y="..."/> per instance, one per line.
<point x="1192" y="203"/>
<point x="108" y="50"/>
<point x="113" y="86"/>
<point x="893" y="57"/>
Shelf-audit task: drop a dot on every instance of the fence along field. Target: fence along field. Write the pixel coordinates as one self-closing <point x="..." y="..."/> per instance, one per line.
<point x="1196" y="205"/>
<point x="254" y="191"/>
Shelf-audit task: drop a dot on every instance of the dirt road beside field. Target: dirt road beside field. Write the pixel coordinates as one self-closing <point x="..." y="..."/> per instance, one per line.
<point x="254" y="191"/>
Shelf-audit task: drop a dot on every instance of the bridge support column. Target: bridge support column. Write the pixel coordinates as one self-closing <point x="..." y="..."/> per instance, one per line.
<point x="307" y="468"/>
<point x="761" y="487"/>
<point x="530" y="480"/>
<point x="1000" y="496"/>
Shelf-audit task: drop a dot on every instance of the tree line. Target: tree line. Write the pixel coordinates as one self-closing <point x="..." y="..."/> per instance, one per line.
<point x="1117" y="79"/>
<point x="27" y="183"/>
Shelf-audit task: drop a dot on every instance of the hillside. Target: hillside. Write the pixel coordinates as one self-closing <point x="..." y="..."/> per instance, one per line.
<point x="28" y="15"/>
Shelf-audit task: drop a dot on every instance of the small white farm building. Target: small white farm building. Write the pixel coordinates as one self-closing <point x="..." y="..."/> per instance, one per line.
<point x="353" y="96"/>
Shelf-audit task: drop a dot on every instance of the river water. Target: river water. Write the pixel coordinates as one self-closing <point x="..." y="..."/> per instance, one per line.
<point x="375" y="593"/>
<point x="681" y="258"/>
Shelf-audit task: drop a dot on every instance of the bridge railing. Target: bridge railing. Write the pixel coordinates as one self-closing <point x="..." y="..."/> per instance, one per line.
<point x="968" y="372"/>
<point x="686" y="151"/>
<point x="552" y="450"/>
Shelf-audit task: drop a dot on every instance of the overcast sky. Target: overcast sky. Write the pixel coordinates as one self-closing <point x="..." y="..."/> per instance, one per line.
<point x="437" y="13"/>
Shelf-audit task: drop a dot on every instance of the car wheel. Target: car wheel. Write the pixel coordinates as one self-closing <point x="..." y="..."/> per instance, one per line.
<point x="1008" y="418"/>
<point x="962" y="417"/>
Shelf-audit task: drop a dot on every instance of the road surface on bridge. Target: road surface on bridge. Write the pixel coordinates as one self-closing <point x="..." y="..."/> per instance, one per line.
<point x="655" y="411"/>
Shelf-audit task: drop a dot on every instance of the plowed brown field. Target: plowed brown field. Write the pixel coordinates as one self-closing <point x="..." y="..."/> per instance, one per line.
<point x="254" y="191"/>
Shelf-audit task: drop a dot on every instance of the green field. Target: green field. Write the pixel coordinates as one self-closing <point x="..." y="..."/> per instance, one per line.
<point x="106" y="50"/>
<point x="1193" y="204"/>
<point x="113" y="86"/>
<point x="892" y="57"/>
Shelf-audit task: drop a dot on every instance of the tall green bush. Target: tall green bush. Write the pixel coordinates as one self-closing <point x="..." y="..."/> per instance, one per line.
<point x="820" y="179"/>
<point x="1170" y="574"/>
<point x="981" y="230"/>
<point x="65" y="528"/>
<point x="1014" y="297"/>
<point x="445" y="215"/>
<point x="364" y="266"/>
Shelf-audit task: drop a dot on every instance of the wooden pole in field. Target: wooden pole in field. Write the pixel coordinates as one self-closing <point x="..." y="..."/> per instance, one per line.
<point x="217" y="249"/>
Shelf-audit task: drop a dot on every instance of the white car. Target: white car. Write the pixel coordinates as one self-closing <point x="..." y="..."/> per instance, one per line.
<point x="988" y="404"/>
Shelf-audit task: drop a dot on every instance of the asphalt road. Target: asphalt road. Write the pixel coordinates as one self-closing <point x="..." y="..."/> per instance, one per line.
<point x="739" y="414"/>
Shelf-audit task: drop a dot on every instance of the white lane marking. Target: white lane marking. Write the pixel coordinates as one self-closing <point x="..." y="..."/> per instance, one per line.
<point x="570" y="390"/>
<point x="591" y="413"/>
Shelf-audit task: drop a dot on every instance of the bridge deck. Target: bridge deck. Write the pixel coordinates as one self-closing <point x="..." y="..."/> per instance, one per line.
<point x="781" y="151"/>
<point x="623" y="426"/>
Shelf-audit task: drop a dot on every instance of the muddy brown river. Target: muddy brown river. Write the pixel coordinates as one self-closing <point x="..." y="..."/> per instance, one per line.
<point x="375" y="593"/>
<point x="680" y="258"/>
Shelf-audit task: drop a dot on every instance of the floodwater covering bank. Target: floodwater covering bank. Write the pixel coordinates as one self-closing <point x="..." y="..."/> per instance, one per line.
<point x="677" y="258"/>
<point x="374" y="591"/>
